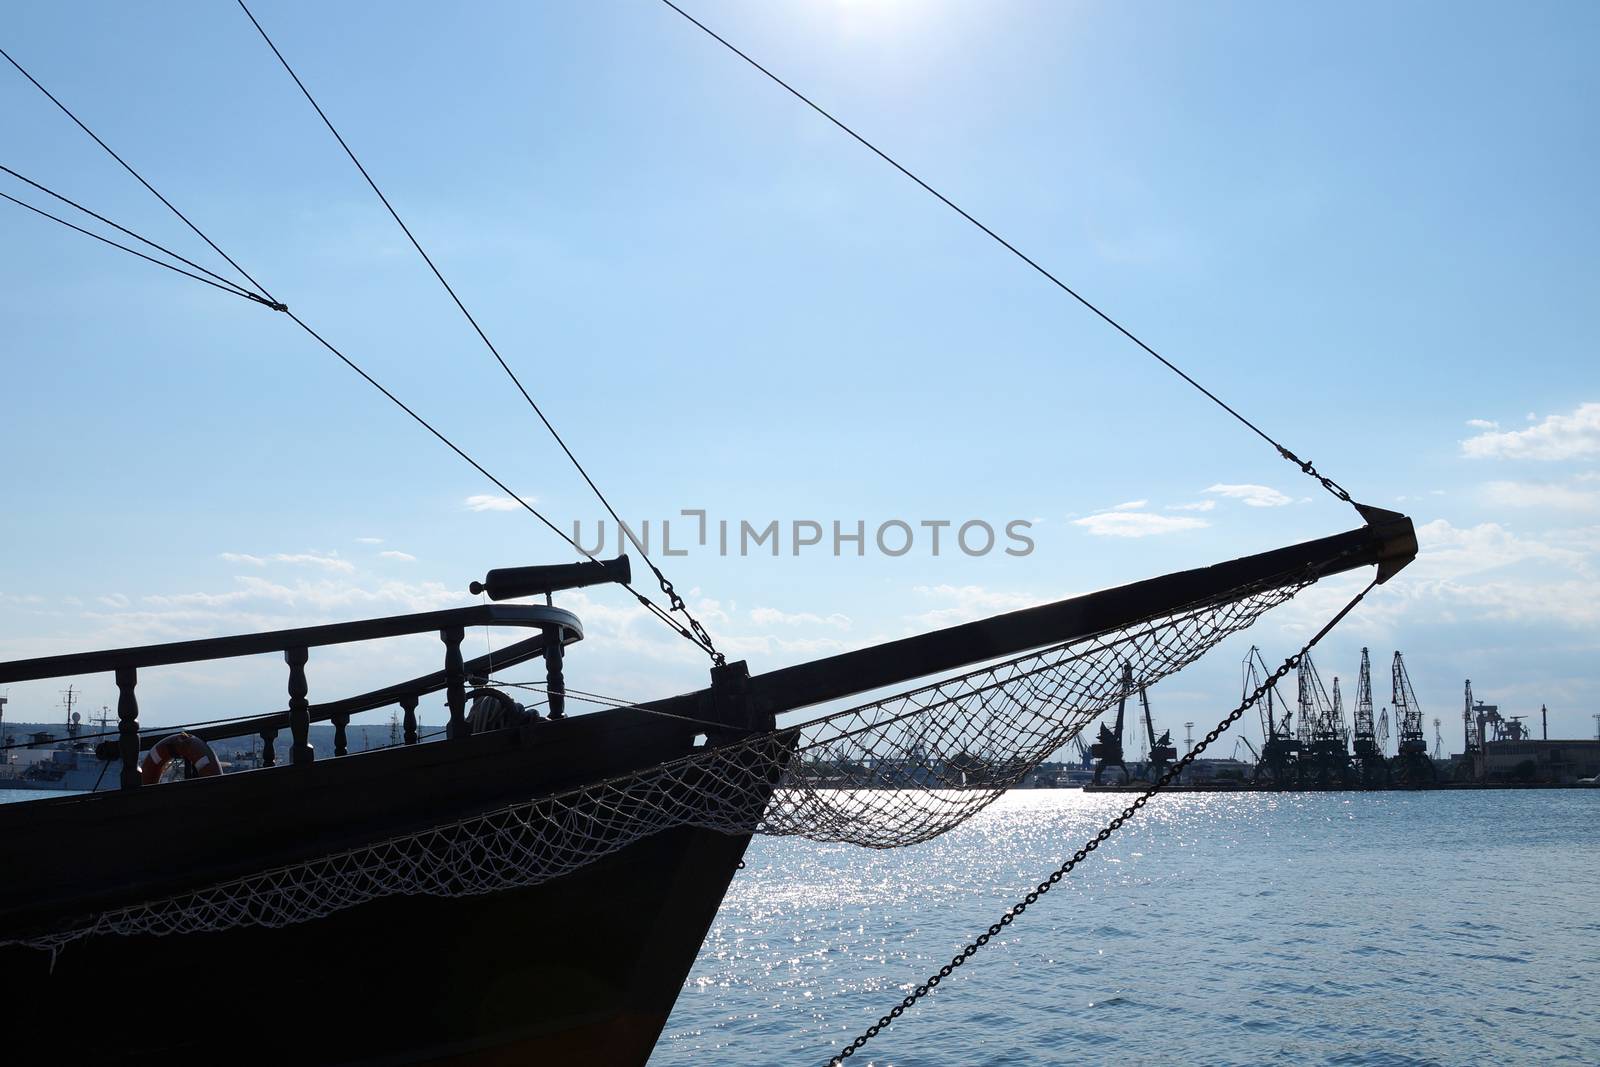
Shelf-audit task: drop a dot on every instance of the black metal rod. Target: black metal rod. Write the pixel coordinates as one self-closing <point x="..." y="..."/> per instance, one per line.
<point x="507" y="582"/>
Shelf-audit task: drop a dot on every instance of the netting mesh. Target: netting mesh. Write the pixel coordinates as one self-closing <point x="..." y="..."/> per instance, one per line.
<point x="893" y="772"/>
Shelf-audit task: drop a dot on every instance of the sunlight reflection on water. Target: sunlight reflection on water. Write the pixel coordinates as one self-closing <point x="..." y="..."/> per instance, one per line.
<point x="1382" y="928"/>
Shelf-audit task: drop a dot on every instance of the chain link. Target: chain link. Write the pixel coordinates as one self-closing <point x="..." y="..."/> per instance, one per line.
<point x="698" y="635"/>
<point x="1093" y="843"/>
<point x="1308" y="467"/>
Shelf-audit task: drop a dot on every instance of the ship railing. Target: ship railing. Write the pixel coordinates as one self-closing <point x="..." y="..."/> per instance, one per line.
<point x="557" y="629"/>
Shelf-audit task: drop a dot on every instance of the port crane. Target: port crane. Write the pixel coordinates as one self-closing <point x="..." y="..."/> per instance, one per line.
<point x="1107" y="747"/>
<point x="1163" y="753"/>
<point x="1411" y="763"/>
<point x="1473" y="730"/>
<point x="1327" y="760"/>
<point x="1367" y="745"/>
<point x="1278" y="761"/>
<point x="1491" y="725"/>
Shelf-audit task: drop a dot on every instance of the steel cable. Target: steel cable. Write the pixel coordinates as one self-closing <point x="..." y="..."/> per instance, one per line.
<point x="701" y="636"/>
<point x="1305" y="465"/>
<point x="695" y="634"/>
<point x="139" y="177"/>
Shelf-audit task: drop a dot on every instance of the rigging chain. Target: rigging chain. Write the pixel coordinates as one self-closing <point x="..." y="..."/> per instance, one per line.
<point x="1305" y="465"/>
<point x="675" y="601"/>
<point x="695" y="633"/>
<point x="1127" y="813"/>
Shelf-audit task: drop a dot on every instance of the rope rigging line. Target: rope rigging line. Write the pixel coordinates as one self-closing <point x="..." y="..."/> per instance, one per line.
<point x="233" y="291"/>
<point x="696" y="635"/>
<point x="1305" y="466"/>
<point x="645" y="601"/>
<point x="140" y="178"/>
<point x="235" y="286"/>
<point x="676" y="602"/>
<point x="1016" y="910"/>
<point x="571" y="694"/>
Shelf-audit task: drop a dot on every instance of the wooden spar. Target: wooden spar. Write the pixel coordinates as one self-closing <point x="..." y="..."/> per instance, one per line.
<point x="525" y="615"/>
<point x="1387" y="540"/>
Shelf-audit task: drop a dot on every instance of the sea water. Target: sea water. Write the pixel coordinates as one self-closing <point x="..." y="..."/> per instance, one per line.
<point x="1333" y="928"/>
<point x="18" y="796"/>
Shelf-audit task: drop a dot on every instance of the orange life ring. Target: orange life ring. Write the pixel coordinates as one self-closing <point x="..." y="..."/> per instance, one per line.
<point x="178" y="746"/>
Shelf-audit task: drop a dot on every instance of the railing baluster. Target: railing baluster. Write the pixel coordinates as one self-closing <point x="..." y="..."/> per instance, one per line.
<point x="128" y="726"/>
<point x="269" y="751"/>
<point x="300" y="750"/>
<point x="555" y="683"/>
<point x="341" y="745"/>
<point x="455" y="673"/>
<point x="409" y="704"/>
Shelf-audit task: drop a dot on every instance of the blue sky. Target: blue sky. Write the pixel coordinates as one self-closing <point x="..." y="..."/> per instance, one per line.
<point x="1369" y="227"/>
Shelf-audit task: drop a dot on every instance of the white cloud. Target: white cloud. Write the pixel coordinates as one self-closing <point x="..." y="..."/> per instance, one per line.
<point x="332" y="563"/>
<point x="1571" y="603"/>
<point x="1463" y="576"/>
<point x="489" y="502"/>
<point x="1574" y="436"/>
<point x="311" y="559"/>
<point x="772" y="616"/>
<point x="758" y="645"/>
<point x="325" y="595"/>
<point x="1198" y="505"/>
<point x="403" y="557"/>
<point x="1255" y="496"/>
<point x="963" y="603"/>
<point x="369" y="540"/>
<point x="1483" y="424"/>
<point x="1450" y="552"/>
<point x="1137" y="524"/>
<point x="1553" y="495"/>
<point x="1128" y="505"/>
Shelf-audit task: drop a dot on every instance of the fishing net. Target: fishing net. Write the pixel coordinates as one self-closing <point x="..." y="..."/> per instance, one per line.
<point x="893" y="772"/>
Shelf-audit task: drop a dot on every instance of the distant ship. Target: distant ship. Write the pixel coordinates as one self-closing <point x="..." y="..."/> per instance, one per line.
<point x="44" y="763"/>
<point x="40" y="760"/>
<point x="71" y="763"/>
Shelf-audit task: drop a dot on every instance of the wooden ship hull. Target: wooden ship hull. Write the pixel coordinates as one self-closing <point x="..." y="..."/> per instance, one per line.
<point x="583" y="968"/>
